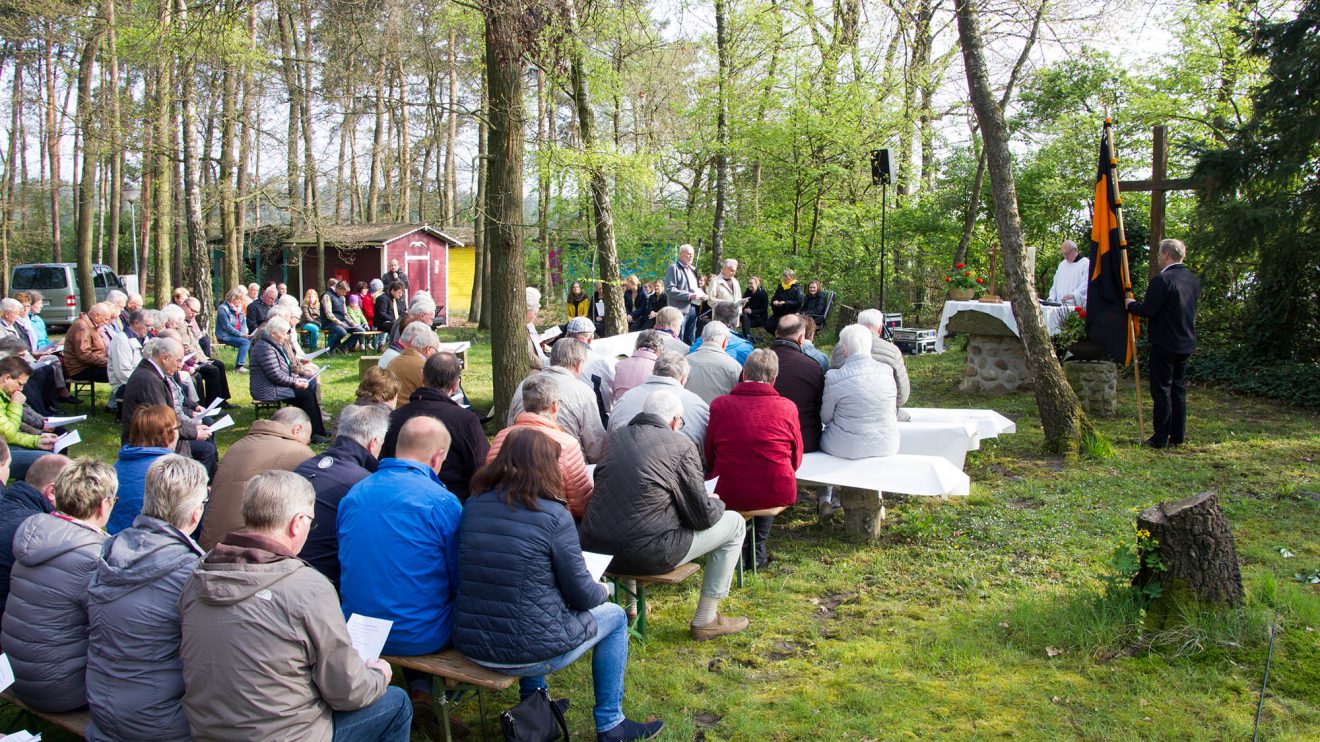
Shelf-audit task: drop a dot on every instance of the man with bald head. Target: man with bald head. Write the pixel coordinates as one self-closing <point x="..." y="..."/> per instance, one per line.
<point x="398" y="549"/>
<point x="1072" y="277"/>
<point x="86" y="352"/>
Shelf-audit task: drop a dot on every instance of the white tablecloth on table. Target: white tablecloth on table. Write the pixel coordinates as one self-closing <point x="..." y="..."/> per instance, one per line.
<point x="903" y="474"/>
<point x="989" y="424"/>
<point x="1054" y="317"/>
<point x="949" y="439"/>
<point x="616" y="345"/>
<point x="710" y="483"/>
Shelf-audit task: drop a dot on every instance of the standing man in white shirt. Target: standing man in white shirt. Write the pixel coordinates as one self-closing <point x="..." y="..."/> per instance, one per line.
<point x="1072" y="277"/>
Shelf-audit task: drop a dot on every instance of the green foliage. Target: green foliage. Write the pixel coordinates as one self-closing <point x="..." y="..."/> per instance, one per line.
<point x="1240" y="368"/>
<point x="1129" y="558"/>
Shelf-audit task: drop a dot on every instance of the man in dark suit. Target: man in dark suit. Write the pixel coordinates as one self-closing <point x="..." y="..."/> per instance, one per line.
<point x="1170" y="308"/>
<point x="150" y="384"/>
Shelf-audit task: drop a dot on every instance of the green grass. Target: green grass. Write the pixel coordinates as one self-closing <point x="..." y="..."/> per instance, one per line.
<point x="945" y="628"/>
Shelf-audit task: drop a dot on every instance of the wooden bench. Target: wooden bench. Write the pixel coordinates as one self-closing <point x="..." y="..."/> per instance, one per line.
<point x="454" y="671"/>
<point x="73" y="722"/>
<point x="638" y="594"/>
<point x="267" y="409"/>
<point x="747" y="515"/>
<point x="79" y="389"/>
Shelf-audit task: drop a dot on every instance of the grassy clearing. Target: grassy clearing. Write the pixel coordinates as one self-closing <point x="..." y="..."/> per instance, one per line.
<point x="987" y="618"/>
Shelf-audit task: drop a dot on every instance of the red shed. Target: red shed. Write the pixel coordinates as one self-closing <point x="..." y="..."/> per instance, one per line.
<point x="361" y="252"/>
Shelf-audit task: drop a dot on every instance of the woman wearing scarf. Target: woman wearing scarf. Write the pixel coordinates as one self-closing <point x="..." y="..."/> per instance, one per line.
<point x="787" y="300"/>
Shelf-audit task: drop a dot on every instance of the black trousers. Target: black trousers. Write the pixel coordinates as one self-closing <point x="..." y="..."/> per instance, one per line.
<point x="1168" y="390"/>
<point x="761" y="524"/>
<point x="204" y="453"/>
<point x="305" y="400"/>
<point x="42" y="391"/>
<point x="211" y="381"/>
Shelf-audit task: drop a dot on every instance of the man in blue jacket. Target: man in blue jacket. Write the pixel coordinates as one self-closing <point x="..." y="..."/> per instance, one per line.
<point x="33" y="494"/>
<point x="350" y="459"/>
<point x="398" y="551"/>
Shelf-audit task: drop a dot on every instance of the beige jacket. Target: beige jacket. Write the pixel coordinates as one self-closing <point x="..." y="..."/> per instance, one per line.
<point x="266" y="654"/>
<point x="267" y="446"/>
<point x="408" y="367"/>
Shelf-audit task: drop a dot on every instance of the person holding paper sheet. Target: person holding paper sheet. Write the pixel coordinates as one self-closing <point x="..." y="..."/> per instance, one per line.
<point x="85" y="350"/>
<point x="277" y="443"/>
<point x="578" y="414"/>
<point x="540" y="398"/>
<point x="211" y="371"/>
<point x="126" y="349"/>
<point x="526" y="604"/>
<point x="651" y="511"/>
<point x="153" y="383"/>
<point x="44" y="630"/>
<point x="398" y="551"/>
<point x="265" y="651"/>
<point x="274" y="376"/>
<point x="134" y="675"/>
<point x="231" y="327"/>
<point x="682" y="291"/>
<point x="152" y="433"/>
<point x="24" y="448"/>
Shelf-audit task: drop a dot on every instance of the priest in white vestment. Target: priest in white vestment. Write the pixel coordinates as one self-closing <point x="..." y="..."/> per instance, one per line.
<point x="1072" y="277"/>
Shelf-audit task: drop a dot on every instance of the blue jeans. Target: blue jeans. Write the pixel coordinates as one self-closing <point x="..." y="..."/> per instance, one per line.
<point x="386" y="720"/>
<point x="21" y="458"/>
<point x="242" y="344"/>
<point x="689" y="333"/>
<point x="336" y="336"/>
<point x="313" y="334"/>
<point x="608" y="663"/>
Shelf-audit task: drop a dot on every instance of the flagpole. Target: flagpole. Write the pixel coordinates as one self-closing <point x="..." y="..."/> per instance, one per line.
<point x="1127" y="282"/>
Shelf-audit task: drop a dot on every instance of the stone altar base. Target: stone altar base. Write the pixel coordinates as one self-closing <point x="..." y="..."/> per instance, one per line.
<point x="996" y="364"/>
<point x="1096" y="384"/>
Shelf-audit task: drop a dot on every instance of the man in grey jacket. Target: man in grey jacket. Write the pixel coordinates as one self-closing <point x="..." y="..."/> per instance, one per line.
<point x="713" y="372"/>
<point x="682" y="291"/>
<point x="266" y="653"/>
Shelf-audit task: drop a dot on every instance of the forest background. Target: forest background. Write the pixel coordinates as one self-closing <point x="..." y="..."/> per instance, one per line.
<point x="158" y="125"/>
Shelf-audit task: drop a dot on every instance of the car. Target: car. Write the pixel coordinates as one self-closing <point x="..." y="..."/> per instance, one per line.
<point x="58" y="285"/>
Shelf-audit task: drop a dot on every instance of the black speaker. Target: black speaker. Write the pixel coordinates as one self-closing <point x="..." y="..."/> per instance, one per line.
<point x="882" y="167"/>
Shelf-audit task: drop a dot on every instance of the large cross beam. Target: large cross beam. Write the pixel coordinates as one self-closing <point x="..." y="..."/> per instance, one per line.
<point x="1157" y="185"/>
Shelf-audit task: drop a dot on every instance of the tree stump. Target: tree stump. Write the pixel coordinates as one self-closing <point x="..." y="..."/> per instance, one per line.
<point x="864" y="513"/>
<point x="1195" y="549"/>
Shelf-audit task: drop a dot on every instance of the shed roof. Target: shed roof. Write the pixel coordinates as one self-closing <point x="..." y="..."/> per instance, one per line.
<point x="367" y="235"/>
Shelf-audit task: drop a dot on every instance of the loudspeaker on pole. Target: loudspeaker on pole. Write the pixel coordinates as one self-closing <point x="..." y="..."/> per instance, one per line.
<point x="883" y="170"/>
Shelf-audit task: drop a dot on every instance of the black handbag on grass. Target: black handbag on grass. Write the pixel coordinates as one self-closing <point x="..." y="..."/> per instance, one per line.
<point x="536" y="719"/>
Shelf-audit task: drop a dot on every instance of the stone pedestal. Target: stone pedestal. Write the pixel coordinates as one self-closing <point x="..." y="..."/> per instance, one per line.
<point x="996" y="364"/>
<point x="1096" y="384"/>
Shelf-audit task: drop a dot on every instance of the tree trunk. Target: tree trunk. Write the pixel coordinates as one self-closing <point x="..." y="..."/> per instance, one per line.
<point x="450" y="203"/>
<point x="1061" y="413"/>
<point x="234" y="259"/>
<point x="229" y="239"/>
<point x="116" y="138"/>
<point x="377" y="141"/>
<point x="53" y="142"/>
<point x="504" y="199"/>
<point x="405" y="151"/>
<point x="311" y="198"/>
<point x="87" y="184"/>
<point x="11" y="167"/>
<point x="1196" y="554"/>
<point x="197" y="269"/>
<point x="721" y="138"/>
<point x="163" y="203"/>
<point x="607" y="253"/>
<point x="289" y="71"/>
<point x="544" y="114"/>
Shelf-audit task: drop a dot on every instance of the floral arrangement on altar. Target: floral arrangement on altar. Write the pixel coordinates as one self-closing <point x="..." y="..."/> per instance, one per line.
<point x="964" y="278"/>
<point x="1071" y="331"/>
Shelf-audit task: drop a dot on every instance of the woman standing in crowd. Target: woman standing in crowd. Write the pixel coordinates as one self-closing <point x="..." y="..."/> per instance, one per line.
<point x="153" y="432"/>
<point x="636" y="303"/>
<point x="577" y="304"/>
<point x="517" y="542"/>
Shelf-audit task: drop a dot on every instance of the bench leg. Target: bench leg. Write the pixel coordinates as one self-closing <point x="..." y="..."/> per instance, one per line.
<point x="637" y="597"/>
<point x="481" y="704"/>
<point x="442" y="698"/>
<point x="641" y="610"/>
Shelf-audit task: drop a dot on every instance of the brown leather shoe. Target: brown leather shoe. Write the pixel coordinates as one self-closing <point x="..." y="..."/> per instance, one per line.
<point x="721" y="626"/>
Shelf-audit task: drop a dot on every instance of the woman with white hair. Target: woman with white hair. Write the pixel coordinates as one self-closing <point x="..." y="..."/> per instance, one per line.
<point x="134" y="675"/>
<point x="276" y="375"/>
<point x="535" y="350"/>
<point x="859" y="408"/>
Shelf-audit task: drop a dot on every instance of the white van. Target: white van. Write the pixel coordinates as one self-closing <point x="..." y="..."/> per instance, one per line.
<point x="58" y="284"/>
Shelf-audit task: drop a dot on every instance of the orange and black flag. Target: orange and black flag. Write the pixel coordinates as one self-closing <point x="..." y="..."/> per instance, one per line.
<point x="1107" y="320"/>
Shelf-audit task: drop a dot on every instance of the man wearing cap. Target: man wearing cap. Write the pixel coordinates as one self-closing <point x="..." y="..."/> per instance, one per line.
<point x="598" y="371"/>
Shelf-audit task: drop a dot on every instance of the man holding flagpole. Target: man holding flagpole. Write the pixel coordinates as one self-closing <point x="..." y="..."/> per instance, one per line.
<point x="1170" y="309"/>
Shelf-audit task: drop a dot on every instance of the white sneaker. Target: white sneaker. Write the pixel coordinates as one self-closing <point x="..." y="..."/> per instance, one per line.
<point x="242" y="369"/>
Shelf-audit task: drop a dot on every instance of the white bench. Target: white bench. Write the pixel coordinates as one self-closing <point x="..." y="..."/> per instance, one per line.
<point x="616" y="345"/>
<point x="949" y="440"/>
<point x="903" y="474"/>
<point x="989" y="424"/>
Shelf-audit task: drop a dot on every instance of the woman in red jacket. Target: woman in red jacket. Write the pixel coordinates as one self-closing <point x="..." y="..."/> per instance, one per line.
<point x="754" y="445"/>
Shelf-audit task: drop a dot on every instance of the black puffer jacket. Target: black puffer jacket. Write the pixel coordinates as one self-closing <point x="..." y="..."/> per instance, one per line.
<point x="523" y="589"/>
<point x="650" y="496"/>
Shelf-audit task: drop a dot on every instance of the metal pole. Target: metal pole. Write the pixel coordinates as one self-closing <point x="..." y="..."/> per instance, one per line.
<point x="884" y="202"/>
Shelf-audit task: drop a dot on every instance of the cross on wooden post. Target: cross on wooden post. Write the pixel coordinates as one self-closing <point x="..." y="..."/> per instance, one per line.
<point x="1158" y="185"/>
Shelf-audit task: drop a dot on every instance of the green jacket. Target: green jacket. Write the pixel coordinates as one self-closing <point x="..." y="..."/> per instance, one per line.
<point x="11" y="416"/>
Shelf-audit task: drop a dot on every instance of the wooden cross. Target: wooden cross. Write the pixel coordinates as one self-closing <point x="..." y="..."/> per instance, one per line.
<point x="1158" y="185"/>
